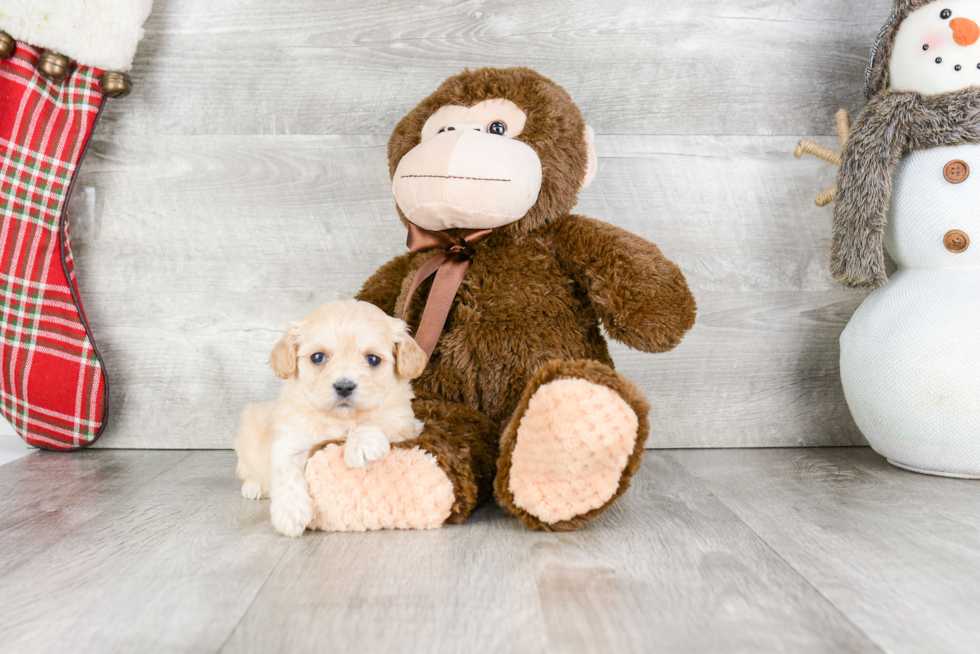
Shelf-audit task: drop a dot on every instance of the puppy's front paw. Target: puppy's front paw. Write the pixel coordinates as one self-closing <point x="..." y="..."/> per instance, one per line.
<point x="252" y="490"/>
<point x="291" y="513"/>
<point x="365" y="445"/>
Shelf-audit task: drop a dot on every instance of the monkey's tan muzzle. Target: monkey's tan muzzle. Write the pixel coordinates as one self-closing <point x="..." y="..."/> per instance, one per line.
<point x="467" y="179"/>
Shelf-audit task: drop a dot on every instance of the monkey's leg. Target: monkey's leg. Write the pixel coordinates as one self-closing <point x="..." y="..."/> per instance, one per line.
<point x="572" y="445"/>
<point x="441" y="476"/>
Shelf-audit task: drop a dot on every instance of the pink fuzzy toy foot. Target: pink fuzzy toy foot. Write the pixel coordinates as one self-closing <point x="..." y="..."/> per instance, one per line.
<point x="573" y="444"/>
<point x="404" y="490"/>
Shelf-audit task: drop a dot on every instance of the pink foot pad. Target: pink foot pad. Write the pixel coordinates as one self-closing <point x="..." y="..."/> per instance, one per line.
<point x="573" y="444"/>
<point x="405" y="490"/>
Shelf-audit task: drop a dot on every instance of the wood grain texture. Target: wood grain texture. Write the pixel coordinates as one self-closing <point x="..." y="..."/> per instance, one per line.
<point x="175" y="560"/>
<point x="47" y="493"/>
<point x="666" y="570"/>
<point x="244" y="182"/>
<point x="652" y="67"/>
<point x="792" y="550"/>
<point x="190" y="278"/>
<point x="896" y="551"/>
<point x="128" y="552"/>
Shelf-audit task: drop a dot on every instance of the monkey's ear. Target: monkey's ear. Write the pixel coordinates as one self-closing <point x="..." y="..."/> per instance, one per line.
<point x="283" y="357"/>
<point x="410" y="358"/>
<point x="593" y="166"/>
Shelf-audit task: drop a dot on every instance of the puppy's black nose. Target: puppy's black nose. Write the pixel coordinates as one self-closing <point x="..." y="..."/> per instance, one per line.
<point x="344" y="387"/>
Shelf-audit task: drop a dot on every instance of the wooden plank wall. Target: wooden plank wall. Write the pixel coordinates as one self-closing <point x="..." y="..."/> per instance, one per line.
<point x="244" y="181"/>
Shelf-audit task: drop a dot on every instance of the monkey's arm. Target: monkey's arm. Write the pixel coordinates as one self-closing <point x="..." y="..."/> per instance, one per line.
<point x="640" y="296"/>
<point x="382" y="288"/>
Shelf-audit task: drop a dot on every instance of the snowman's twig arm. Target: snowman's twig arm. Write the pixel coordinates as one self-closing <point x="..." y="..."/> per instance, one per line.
<point x="640" y="296"/>
<point x="825" y="153"/>
<point x="843" y="126"/>
<point x="826" y="197"/>
<point x="817" y="150"/>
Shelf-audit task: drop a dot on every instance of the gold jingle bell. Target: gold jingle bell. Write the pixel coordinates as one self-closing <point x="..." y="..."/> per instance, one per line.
<point x="7" y="45"/>
<point x="54" y="66"/>
<point x="115" y="84"/>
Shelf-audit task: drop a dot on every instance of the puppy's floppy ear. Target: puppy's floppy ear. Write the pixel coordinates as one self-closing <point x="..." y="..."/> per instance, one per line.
<point x="283" y="357"/>
<point x="410" y="359"/>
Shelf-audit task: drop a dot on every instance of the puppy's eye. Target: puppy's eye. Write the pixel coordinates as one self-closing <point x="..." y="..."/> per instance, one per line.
<point x="318" y="358"/>
<point x="497" y="127"/>
<point x="373" y="360"/>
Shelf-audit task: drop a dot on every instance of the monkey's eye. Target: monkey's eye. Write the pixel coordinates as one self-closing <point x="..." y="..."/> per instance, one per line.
<point x="373" y="360"/>
<point x="318" y="357"/>
<point x="946" y="13"/>
<point x="497" y="127"/>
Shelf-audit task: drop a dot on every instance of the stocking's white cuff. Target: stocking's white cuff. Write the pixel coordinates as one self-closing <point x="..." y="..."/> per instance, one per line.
<point x="98" y="33"/>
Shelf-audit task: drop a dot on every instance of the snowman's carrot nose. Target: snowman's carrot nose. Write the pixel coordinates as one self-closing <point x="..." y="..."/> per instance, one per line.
<point x="965" y="31"/>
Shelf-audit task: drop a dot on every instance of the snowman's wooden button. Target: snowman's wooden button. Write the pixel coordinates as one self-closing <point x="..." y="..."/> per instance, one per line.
<point x="956" y="241"/>
<point x="956" y="171"/>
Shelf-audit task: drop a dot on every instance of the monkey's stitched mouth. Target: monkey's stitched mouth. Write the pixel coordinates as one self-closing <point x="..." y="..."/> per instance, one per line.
<point x="476" y="179"/>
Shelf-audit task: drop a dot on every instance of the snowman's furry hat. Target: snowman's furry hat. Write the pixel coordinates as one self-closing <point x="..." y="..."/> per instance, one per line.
<point x="876" y="77"/>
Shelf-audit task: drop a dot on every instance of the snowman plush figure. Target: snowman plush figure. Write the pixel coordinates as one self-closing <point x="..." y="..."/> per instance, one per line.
<point x="909" y="183"/>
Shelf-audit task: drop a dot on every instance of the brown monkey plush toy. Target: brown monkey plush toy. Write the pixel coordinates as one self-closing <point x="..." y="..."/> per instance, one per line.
<point x="506" y="290"/>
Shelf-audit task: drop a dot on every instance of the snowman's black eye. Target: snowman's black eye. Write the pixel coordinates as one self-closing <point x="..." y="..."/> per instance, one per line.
<point x="497" y="127"/>
<point x="946" y="13"/>
<point x="939" y="60"/>
<point x="925" y="47"/>
<point x="957" y="67"/>
<point x="318" y="358"/>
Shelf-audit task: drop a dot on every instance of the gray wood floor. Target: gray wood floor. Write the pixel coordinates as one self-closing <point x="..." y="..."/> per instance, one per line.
<point x="779" y="550"/>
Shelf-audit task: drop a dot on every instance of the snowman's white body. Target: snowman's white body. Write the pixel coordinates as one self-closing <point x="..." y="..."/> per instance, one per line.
<point x="910" y="356"/>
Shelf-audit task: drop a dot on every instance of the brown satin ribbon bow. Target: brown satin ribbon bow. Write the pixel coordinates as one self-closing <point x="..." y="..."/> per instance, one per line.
<point x="449" y="267"/>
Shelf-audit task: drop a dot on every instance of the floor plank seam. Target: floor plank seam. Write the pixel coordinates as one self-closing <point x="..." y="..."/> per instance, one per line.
<point x="258" y="593"/>
<point x="779" y="556"/>
<point x="170" y="467"/>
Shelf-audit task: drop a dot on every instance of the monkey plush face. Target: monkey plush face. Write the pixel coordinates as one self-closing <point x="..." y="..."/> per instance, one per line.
<point x="469" y="170"/>
<point x="490" y="148"/>
<point x="937" y="48"/>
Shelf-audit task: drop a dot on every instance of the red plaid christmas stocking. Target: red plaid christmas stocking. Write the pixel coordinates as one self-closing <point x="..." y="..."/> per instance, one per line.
<point x="53" y="387"/>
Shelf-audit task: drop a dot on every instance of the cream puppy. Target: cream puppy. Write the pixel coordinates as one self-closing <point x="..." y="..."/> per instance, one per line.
<point x="346" y="368"/>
